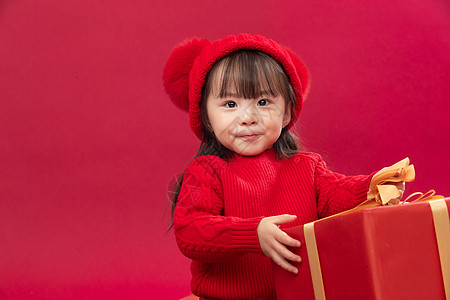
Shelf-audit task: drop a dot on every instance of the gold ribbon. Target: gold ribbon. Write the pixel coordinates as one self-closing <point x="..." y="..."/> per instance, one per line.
<point x="428" y="196"/>
<point x="314" y="261"/>
<point x="442" y="228"/>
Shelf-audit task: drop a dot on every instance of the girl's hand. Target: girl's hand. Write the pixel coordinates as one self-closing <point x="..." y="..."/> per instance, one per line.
<point x="273" y="240"/>
<point x="401" y="189"/>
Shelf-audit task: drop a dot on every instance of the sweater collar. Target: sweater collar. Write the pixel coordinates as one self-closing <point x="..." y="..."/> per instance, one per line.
<point x="269" y="156"/>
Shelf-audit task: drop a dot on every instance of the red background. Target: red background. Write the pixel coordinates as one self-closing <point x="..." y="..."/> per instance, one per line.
<point x="89" y="141"/>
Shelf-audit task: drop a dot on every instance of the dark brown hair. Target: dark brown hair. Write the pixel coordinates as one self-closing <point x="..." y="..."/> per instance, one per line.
<point x="248" y="74"/>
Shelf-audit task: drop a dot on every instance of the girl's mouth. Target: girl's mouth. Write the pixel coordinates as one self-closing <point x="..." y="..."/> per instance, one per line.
<point x="249" y="137"/>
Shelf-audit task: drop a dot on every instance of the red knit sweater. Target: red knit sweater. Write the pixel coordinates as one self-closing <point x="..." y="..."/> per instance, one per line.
<point x="221" y="203"/>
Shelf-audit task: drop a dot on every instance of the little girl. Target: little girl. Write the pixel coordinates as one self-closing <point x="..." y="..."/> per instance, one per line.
<point x="249" y="179"/>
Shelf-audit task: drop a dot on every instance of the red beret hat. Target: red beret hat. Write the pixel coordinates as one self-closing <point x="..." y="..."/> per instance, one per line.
<point x="187" y="66"/>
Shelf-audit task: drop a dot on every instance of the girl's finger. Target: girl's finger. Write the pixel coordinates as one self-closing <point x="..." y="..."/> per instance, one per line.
<point x="283" y="219"/>
<point x="279" y="260"/>
<point x="283" y="238"/>
<point x="401" y="186"/>
<point x="395" y="201"/>
<point x="286" y="253"/>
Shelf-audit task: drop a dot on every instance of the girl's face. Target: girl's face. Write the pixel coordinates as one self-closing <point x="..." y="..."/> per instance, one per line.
<point x="247" y="126"/>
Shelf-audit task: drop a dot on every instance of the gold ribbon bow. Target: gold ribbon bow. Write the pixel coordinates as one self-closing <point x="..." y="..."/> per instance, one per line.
<point x="381" y="190"/>
<point x="428" y="196"/>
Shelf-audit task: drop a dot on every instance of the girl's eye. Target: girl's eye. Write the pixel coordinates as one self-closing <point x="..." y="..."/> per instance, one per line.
<point x="230" y="104"/>
<point x="263" y="102"/>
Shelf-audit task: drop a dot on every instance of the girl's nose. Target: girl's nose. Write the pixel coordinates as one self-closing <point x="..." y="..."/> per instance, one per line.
<point x="249" y="117"/>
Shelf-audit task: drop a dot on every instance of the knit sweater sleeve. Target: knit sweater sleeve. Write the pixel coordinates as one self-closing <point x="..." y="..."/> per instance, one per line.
<point x="336" y="192"/>
<point x="202" y="232"/>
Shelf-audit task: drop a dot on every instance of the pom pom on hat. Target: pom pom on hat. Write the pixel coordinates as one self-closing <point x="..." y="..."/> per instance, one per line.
<point x="177" y="69"/>
<point x="189" y="63"/>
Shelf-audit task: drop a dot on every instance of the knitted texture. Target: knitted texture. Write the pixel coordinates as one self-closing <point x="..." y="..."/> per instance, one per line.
<point x="222" y="202"/>
<point x="195" y="59"/>
<point x="177" y="69"/>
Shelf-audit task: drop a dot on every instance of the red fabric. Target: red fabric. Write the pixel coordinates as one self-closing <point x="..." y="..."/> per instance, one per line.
<point x="386" y="252"/>
<point x="196" y="58"/>
<point x="177" y="68"/>
<point x="221" y="203"/>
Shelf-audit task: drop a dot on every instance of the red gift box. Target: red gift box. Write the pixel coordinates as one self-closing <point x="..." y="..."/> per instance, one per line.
<point x="388" y="252"/>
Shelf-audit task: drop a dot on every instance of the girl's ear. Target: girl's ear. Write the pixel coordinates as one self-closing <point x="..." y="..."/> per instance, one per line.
<point x="287" y="115"/>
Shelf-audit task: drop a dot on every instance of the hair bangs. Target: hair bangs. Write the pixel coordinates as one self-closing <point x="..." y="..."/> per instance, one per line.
<point x="249" y="74"/>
